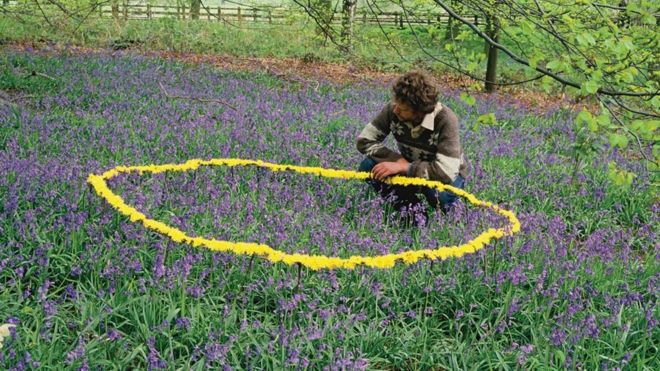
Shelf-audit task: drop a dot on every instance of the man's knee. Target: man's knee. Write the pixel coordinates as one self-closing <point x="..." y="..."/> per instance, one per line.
<point x="444" y="198"/>
<point x="367" y="164"/>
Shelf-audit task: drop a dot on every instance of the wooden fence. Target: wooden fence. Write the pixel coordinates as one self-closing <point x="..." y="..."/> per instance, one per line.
<point x="125" y="10"/>
<point x="265" y="15"/>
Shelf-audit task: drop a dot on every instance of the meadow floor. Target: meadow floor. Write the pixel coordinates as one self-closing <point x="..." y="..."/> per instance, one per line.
<point x="85" y="287"/>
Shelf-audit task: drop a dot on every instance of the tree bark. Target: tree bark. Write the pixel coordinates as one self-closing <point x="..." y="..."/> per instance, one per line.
<point x="491" y="68"/>
<point x="348" y="17"/>
<point x="115" y="9"/>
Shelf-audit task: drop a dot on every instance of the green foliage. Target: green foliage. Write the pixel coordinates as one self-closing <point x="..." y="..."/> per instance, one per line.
<point x="620" y="177"/>
<point x="487" y="119"/>
<point x="597" y="50"/>
<point x="468" y="99"/>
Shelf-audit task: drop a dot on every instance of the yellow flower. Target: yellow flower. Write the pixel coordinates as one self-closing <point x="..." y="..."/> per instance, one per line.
<point x="315" y="262"/>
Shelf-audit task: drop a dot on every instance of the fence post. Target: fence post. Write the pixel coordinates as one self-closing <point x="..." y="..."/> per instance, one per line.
<point x="183" y="13"/>
<point x="148" y="10"/>
<point x="219" y="14"/>
<point x="240" y="18"/>
<point x="270" y="17"/>
<point x="125" y="10"/>
<point x="400" y="20"/>
<point x="254" y="14"/>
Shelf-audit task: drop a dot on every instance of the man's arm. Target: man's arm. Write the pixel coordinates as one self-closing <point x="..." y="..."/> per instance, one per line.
<point x="370" y="140"/>
<point x="447" y="162"/>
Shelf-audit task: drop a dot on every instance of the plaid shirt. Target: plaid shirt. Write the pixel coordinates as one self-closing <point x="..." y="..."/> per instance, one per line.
<point x="432" y="147"/>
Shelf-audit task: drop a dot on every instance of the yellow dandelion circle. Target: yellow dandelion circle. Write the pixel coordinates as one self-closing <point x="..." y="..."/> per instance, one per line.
<point x="314" y="262"/>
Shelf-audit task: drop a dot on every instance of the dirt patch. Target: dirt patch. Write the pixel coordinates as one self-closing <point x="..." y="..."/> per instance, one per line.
<point x="294" y="69"/>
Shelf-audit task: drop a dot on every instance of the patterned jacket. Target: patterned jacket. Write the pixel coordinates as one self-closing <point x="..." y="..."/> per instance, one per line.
<point x="433" y="147"/>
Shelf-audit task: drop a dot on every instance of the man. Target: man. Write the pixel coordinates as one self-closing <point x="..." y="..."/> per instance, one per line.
<point x="427" y="136"/>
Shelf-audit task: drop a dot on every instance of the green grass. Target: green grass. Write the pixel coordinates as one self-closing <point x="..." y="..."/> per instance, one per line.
<point x="140" y="304"/>
<point x="298" y="38"/>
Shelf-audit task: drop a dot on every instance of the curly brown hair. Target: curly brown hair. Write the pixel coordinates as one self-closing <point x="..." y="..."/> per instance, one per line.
<point x="417" y="90"/>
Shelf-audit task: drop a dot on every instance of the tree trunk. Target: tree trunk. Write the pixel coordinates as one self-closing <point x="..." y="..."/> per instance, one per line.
<point x="115" y="9"/>
<point x="453" y="26"/>
<point x="194" y="9"/>
<point x="491" y="68"/>
<point x="348" y="16"/>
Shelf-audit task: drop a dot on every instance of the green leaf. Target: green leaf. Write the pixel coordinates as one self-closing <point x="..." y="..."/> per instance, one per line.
<point x="585" y="39"/>
<point x="546" y="83"/>
<point x="645" y="128"/>
<point x="553" y="64"/>
<point x="468" y="99"/>
<point x="586" y="118"/>
<point x="487" y="119"/>
<point x="463" y="35"/>
<point x="620" y="177"/>
<point x="590" y="87"/>
<point x="534" y="60"/>
<point x="527" y="27"/>
<point x="628" y="43"/>
<point x="567" y="19"/>
<point x="618" y="140"/>
<point x="649" y="19"/>
<point x="603" y="119"/>
<point x="655" y="102"/>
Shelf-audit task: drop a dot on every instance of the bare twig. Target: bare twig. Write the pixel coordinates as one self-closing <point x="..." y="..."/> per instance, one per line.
<point x="385" y="33"/>
<point x="44" y="14"/>
<point x="207" y="100"/>
<point x="623" y="126"/>
<point x="635" y="111"/>
<point x="41" y="74"/>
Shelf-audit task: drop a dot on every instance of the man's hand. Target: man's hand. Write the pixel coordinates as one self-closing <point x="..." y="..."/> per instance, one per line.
<point x="383" y="170"/>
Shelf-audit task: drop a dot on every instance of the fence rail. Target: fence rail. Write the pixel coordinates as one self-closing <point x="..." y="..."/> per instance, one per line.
<point x="126" y="11"/>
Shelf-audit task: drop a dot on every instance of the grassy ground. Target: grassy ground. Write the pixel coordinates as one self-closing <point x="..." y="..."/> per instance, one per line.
<point x="297" y="38"/>
<point x="577" y="288"/>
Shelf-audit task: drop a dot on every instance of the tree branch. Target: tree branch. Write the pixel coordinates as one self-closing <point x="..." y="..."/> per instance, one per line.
<point x="544" y="71"/>
<point x="466" y="73"/>
<point x="623" y="126"/>
<point x="207" y="100"/>
<point x="620" y="104"/>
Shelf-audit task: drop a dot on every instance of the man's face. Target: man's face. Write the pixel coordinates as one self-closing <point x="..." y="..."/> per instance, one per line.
<point x="403" y="111"/>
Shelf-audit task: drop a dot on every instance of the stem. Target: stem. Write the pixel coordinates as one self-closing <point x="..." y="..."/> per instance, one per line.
<point x="250" y="264"/>
<point x="299" y="271"/>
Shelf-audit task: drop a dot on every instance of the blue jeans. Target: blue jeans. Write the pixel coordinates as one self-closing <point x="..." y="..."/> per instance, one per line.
<point x="406" y="196"/>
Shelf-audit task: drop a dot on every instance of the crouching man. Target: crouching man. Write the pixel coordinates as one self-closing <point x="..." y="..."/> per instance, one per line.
<point x="427" y="136"/>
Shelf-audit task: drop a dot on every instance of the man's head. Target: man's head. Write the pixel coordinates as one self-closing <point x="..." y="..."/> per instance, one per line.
<point x="415" y="95"/>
